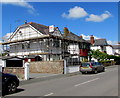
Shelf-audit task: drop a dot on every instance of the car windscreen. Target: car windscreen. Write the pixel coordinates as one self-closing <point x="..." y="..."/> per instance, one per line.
<point x="85" y="64"/>
<point x="97" y="63"/>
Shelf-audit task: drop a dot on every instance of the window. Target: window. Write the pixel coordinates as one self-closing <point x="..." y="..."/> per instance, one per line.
<point x="38" y="58"/>
<point x="28" y="46"/>
<point x="23" y="46"/>
<point x="20" y="33"/>
<point x="56" y="43"/>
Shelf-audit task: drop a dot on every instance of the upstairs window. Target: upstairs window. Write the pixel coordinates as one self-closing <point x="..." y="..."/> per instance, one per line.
<point x="28" y="45"/>
<point x="56" y="43"/>
<point x="23" y="46"/>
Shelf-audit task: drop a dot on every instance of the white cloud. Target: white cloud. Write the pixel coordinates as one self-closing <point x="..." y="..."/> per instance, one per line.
<point x="5" y="37"/>
<point x="98" y="18"/>
<point x="21" y="3"/>
<point x="112" y="42"/>
<point x="76" y="12"/>
<point x="87" y="37"/>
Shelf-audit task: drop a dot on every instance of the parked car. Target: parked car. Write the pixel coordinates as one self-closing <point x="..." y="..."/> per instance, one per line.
<point x="10" y="83"/>
<point x="92" y="67"/>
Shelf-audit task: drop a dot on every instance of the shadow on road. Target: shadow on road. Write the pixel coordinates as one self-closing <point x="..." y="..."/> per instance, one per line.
<point x="17" y="91"/>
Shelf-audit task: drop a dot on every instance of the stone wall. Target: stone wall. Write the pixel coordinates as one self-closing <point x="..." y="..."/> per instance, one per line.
<point x="18" y="71"/>
<point x="56" y="67"/>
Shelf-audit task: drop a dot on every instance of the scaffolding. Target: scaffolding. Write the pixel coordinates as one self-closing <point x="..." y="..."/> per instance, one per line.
<point x="47" y="46"/>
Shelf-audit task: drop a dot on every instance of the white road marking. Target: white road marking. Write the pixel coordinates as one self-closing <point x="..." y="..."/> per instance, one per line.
<point x="49" y="94"/>
<point x="86" y="82"/>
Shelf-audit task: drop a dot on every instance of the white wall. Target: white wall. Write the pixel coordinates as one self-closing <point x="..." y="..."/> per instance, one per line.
<point x="109" y="50"/>
<point x="95" y="48"/>
<point x="117" y="51"/>
<point x="24" y="33"/>
<point x="72" y="69"/>
<point x="1" y="62"/>
<point x="73" y="49"/>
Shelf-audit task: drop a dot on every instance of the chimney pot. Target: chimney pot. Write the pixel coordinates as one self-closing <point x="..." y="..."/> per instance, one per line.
<point x="92" y="39"/>
<point x="66" y="31"/>
<point x="30" y="22"/>
<point x="81" y="37"/>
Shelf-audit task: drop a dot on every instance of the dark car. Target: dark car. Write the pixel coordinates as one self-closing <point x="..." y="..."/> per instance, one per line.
<point x="91" y="67"/>
<point x="10" y="83"/>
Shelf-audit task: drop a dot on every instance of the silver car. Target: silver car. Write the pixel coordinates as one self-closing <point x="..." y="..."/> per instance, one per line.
<point x="91" y="67"/>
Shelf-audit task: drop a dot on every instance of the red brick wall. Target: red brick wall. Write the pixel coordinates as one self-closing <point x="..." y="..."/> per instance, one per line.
<point x="83" y="52"/>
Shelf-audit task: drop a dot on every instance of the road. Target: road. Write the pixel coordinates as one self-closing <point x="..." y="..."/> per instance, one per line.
<point x="101" y="84"/>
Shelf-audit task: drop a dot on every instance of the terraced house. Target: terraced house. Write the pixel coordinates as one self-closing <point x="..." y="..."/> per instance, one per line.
<point x="36" y="42"/>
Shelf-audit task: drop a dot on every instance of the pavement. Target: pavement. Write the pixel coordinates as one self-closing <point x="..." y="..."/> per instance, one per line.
<point x="75" y="84"/>
<point x="41" y="75"/>
<point x="38" y="77"/>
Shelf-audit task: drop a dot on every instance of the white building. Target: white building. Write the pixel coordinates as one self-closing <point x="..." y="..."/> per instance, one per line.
<point x="102" y="45"/>
<point x="116" y="49"/>
<point x="35" y="39"/>
<point x="35" y="42"/>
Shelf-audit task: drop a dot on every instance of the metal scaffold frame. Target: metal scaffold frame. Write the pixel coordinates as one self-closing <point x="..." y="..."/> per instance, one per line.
<point x="48" y="46"/>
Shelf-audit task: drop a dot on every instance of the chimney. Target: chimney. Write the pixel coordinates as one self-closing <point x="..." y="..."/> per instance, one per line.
<point x="30" y="22"/>
<point x="66" y="31"/>
<point x="81" y="37"/>
<point x="92" y="39"/>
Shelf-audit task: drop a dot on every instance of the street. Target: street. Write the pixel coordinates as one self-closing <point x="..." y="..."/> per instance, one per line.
<point x="101" y="84"/>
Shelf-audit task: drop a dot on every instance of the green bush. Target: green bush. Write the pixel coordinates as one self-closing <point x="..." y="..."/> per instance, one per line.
<point x="104" y="57"/>
<point x="107" y="62"/>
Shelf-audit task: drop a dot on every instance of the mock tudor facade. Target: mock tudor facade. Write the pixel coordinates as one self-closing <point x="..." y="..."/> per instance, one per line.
<point x="34" y="42"/>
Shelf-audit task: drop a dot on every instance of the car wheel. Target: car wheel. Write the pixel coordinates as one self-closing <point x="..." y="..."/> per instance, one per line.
<point x="83" y="72"/>
<point x="103" y="70"/>
<point x="11" y="87"/>
<point x="95" y="71"/>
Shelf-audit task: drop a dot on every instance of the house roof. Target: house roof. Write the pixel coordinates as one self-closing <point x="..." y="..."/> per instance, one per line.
<point x="31" y="56"/>
<point x="100" y="42"/>
<point x="45" y="31"/>
<point x="11" y="58"/>
<point x="42" y="28"/>
<point x="72" y="36"/>
<point x="116" y="46"/>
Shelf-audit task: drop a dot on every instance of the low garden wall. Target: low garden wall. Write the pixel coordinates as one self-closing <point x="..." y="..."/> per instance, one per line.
<point x="56" y="67"/>
<point x="71" y="69"/>
<point x="18" y="71"/>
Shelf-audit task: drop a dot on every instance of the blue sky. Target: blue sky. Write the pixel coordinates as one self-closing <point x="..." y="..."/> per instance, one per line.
<point x="89" y="18"/>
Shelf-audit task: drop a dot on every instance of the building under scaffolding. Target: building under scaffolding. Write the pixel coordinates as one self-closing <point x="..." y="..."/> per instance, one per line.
<point x="34" y="42"/>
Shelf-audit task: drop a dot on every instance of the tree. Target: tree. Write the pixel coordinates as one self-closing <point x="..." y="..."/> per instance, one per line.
<point x="97" y="54"/>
